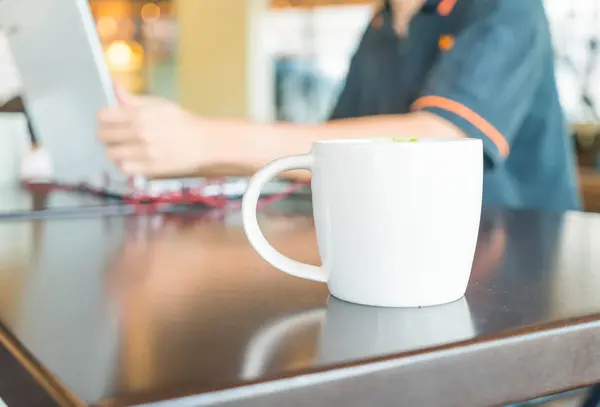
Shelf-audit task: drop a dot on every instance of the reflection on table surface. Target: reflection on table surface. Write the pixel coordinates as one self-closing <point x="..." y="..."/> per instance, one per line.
<point x="20" y="202"/>
<point x="133" y="307"/>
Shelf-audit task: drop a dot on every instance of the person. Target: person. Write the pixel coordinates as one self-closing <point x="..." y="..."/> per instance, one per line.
<point x="424" y="68"/>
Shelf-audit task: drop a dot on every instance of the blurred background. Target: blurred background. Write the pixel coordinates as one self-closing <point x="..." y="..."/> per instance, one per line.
<point x="262" y="59"/>
<point x="287" y="59"/>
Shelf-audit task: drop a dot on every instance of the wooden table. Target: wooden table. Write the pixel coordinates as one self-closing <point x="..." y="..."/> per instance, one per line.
<point x="140" y="310"/>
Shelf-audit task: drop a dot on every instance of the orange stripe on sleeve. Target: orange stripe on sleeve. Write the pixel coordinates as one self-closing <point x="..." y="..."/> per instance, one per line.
<point x="469" y="115"/>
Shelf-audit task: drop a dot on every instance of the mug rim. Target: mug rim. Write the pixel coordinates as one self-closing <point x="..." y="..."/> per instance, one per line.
<point x="403" y="141"/>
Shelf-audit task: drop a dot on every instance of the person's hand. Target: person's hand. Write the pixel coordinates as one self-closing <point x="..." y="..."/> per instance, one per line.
<point x="155" y="137"/>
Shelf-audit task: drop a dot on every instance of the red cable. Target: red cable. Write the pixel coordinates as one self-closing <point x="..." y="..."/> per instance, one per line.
<point x="147" y="202"/>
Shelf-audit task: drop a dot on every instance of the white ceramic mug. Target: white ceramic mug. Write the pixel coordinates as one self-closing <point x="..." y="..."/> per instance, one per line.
<point x="396" y="222"/>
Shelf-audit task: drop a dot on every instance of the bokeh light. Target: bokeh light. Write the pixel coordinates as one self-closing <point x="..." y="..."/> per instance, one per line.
<point x="150" y="12"/>
<point x="107" y="27"/>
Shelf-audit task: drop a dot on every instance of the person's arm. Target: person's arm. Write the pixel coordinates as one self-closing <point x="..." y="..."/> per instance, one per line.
<point x="263" y="143"/>
<point x="482" y="88"/>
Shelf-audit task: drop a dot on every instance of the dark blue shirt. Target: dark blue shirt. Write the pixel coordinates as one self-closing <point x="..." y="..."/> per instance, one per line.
<point x="486" y="66"/>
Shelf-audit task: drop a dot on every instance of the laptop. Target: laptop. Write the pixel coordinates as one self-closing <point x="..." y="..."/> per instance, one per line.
<point x="65" y="82"/>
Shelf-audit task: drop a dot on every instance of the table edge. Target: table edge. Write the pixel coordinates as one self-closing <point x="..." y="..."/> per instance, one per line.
<point x="347" y="378"/>
<point x="50" y="383"/>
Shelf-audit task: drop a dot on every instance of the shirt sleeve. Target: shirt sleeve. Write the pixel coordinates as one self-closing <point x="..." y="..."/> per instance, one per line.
<point x="486" y="83"/>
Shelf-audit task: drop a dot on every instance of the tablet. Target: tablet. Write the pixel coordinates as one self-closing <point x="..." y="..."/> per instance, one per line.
<point x="65" y="82"/>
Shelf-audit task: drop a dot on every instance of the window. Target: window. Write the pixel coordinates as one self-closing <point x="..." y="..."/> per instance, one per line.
<point x="576" y="31"/>
<point x="311" y="49"/>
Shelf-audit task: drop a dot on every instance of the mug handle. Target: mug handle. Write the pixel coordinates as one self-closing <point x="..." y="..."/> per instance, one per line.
<point x="252" y="229"/>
